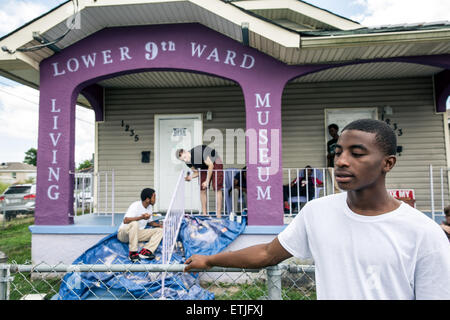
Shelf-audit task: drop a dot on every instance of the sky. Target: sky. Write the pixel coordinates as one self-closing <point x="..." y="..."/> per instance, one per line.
<point x="19" y="104"/>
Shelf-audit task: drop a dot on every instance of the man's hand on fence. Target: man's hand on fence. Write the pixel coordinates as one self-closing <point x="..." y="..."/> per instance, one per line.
<point x="197" y="262"/>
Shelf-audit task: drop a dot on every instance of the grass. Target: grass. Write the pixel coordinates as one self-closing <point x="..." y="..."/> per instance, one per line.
<point x="15" y="242"/>
<point x="3" y="186"/>
<point x="15" y="239"/>
<point x="256" y="290"/>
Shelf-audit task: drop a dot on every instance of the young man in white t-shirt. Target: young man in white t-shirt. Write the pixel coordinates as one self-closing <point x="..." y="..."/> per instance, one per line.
<point x="132" y="230"/>
<point x="365" y="244"/>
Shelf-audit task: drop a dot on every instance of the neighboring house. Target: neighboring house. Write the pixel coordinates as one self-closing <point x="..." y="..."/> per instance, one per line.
<point x="279" y="70"/>
<point x="17" y="172"/>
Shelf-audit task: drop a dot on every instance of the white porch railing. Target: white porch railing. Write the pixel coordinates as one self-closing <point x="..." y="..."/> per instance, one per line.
<point x="314" y="183"/>
<point x="94" y="193"/>
<point x="234" y="194"/>
<point x="438" y="193"/>
<point x="301" y="185"/>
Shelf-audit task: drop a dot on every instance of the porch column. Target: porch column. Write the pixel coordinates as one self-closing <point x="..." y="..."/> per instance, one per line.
<point x="95" y="95"/>
<point x="442" y="90"/>
<point x="264" y="161"/>
<point x="55" y="157"/>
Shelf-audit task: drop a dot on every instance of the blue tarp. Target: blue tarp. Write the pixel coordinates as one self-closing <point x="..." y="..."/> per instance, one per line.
<point x="199" y="235"/>
<point x="203" y="235"/>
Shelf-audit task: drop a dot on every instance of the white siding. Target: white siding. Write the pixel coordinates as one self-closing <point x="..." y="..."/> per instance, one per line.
<point x="303" y="127"/>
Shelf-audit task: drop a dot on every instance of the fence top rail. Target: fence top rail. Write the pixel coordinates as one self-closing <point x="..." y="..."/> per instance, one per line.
<point x="17" y="268"/>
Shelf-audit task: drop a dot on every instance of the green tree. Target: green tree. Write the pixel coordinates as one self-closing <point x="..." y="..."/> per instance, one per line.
<point x="31" y="156"/>
<point x="85" y="164"/>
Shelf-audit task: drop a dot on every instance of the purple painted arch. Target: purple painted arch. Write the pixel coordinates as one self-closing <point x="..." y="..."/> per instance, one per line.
<point x="189" y="47"/>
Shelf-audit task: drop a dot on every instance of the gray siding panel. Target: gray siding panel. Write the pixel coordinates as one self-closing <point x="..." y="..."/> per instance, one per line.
<point x="413" y="110"/>
<point x="303" y="133"/>
<point x="137" y="107"/>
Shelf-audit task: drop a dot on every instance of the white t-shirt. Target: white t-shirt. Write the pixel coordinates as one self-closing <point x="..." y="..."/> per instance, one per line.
<point x="401" y="254"/>
<point x="136" y="209"/>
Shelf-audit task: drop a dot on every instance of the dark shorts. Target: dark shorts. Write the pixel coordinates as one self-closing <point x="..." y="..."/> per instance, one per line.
<point x="217" y="176"/>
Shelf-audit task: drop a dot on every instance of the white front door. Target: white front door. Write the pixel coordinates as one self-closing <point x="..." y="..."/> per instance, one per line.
<point x="171" y="133"/>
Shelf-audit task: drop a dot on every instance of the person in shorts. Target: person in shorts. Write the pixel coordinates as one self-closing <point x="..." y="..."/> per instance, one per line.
<point x="206" y="163"/>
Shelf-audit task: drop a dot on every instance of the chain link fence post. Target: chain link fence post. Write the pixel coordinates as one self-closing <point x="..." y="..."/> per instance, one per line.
<point x="4" y="277"/>
<point x="274" y="282"/>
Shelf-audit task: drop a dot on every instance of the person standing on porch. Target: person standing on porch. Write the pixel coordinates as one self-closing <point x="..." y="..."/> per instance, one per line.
<point x="365" y="244"/>
<point x="206" y="160"/>
<point x="333" y="130"/>
<point x="133" y="228"/>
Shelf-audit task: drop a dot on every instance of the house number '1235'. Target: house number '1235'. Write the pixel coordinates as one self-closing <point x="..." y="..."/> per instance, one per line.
<point x="130" y="130"/>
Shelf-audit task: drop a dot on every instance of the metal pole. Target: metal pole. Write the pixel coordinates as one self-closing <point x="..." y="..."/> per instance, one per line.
<point x="432" y="191"/>
<point x="215" y="193"/>
<point x="164" y="267"/>
<point x="112" y="197"/>
<point x="83" y="193"/>
<point x="106" y="192"/>
<point x="290" y="192"/>
<point x="76" y="194"/>
<point x="207" y="195"/>
<point x="274" y="282"/>
<point x="241" y="192"/>
<point x="298" y="190"/>
<point x="224" y="188"/>
<point x="332" y="179"/>
<point x="323" y="182"/>
<point x="91" y="206"/>
<point x="315" y="183"/>
<point x="307" y="184"/>
<point x="4" y="277"/>
<point x="4" y="213"/>
<point x="232" y="191"/>
<point x="442" y="189"/>
<point x="97" y="202"/>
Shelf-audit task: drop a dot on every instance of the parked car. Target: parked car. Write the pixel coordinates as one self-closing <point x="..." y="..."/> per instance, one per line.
<point x="18" y="199"/>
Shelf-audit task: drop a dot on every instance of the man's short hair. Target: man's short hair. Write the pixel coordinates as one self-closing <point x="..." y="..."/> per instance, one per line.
<point x="147" y="193"/>
<point x="178" y="153"/>
<point x="333" y="125"/>
<point x="384" y="135"/>
<point x="447" y="211"/>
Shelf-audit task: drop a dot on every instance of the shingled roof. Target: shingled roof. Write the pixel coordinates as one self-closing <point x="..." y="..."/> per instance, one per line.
<point x="16" y="166"/>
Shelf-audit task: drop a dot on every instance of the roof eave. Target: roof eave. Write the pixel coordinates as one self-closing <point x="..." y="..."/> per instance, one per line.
<point x="375" y="39"/>
<point x="301" y="7"/>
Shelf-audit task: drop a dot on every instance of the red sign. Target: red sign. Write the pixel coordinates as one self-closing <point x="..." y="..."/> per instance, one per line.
<point x="406" y="195"/>
<point x="402" y="193"/>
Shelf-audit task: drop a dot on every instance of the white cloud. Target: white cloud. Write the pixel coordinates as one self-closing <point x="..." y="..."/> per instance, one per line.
<point x="19" y="113"/>
<point x="19" y="104"/>
<point x="19" y="125"/>
<point x="385" y="12"/>
<point x="16" y="13"/>
<point x="85" y="134"/>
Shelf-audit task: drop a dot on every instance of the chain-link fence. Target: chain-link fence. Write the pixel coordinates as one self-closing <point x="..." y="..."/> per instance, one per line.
<point x="286" y="281"/>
